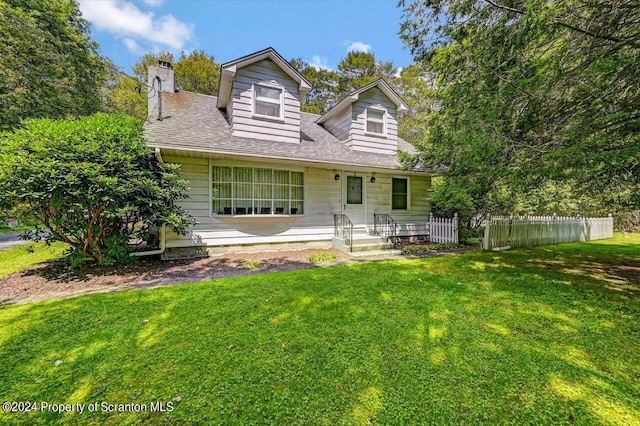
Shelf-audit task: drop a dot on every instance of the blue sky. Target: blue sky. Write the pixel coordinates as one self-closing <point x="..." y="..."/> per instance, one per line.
<point x="318" y="31"/>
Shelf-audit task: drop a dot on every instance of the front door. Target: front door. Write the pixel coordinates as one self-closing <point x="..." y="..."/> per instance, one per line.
<point x="354" y="197"/>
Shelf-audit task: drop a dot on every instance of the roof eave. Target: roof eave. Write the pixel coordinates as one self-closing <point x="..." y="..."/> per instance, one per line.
<point x="229" y="69"/>
<point x="353" y="96"/>
<point x="339" y="107"/>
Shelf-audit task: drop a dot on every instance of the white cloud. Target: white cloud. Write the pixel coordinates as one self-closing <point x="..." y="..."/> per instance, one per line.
<point x="319" y="63"/>
<point x="132" y="45"/>
<point x="358" y="46"/>
<point x="124" y="19"/>
<point x="154" y="3"/>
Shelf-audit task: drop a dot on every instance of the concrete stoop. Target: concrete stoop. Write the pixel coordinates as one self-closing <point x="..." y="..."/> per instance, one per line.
<point x="365" y="245"/>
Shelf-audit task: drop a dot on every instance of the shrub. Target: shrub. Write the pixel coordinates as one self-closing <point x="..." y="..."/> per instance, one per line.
<point x="428" y="247"/>
<point x="252" y="264"/>
<point x="92" y="182"/>
<point x="325" y="256"/>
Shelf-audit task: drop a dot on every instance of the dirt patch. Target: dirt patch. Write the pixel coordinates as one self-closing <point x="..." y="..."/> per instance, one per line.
<point x="55" y="280"/>
<point x="437" y="252"/>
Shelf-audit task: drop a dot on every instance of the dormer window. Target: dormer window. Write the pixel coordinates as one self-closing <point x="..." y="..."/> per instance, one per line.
<point x="376" y="121"/>
<point x="268" y="101"/>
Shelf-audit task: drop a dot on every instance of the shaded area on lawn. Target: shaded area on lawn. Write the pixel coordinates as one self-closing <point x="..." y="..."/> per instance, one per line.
<point x="55" y="279"/>
<point x="523" y="337"/>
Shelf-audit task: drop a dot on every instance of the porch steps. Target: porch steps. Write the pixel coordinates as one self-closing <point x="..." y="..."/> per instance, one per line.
<point x="365" y="244"/>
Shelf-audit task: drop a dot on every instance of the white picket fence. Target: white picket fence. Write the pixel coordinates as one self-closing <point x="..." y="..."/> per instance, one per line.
<point x="530" y="231"/>
<point x="443" y="229"/>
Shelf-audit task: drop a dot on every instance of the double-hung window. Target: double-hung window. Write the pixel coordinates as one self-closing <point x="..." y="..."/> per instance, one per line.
<point x="256" y="191"/>
<point x="268" y="101"/>
<point x="376" y="121"/>
<point x="399" y="194"/>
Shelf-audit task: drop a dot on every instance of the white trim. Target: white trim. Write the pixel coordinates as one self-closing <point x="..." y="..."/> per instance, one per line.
<point x="210" y="188"/>
<point x="254" y="98"/>
<point x="408" y="179"/>
<point x="289" y="201"/>
<point x="228" y="71"/>
<point x="249" y="157"/>
<point x="353" y="96"/>
<point x="343" y="205"/>
<point x="375" y="120"/>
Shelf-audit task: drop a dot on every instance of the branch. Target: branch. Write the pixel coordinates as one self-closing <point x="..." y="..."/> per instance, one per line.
<point x="503" y="7"/>
<point x="589" y="33"/>
<point x="567" y="25"/>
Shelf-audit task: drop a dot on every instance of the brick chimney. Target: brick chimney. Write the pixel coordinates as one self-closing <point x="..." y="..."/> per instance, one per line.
<point x="167" y="84"/>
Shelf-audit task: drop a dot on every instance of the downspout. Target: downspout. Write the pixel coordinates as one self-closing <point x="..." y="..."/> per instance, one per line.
<point x="159" y="98"/>
<point x="162" y="231"/>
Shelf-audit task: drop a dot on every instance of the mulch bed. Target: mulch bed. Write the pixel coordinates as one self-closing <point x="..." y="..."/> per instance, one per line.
<point x="54" y="279"/>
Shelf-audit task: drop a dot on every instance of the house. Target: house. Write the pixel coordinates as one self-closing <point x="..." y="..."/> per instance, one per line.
<point x="265" y="175"/>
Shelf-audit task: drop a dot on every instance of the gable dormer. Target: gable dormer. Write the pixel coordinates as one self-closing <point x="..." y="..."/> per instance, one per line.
<point x="261" y="94"/>
<point x="367" y="119"/>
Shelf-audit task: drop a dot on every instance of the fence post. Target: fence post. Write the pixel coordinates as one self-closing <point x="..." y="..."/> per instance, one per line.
<point x="455" y="228"/>
<point x="485" y="240"/>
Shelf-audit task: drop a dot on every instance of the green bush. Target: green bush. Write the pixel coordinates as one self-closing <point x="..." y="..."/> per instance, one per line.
<point x="448" y="200"/>
<point x="252" y="264"/>
<point x="325" y="256"/>
<point x="92" y="182"/>
<point x="428" y="247"/>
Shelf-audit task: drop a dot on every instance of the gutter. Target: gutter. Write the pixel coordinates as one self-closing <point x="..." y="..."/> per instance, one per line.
<point x="335" y="164"/>
<point x="162" y="231"/>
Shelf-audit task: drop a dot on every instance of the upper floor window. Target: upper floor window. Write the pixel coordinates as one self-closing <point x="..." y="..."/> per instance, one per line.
<point x="375" y="121"/>
<point x="268" y="101"/>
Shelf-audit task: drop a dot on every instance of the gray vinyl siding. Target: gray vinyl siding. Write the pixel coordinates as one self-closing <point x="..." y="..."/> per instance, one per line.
<point x="340" y="126"/>
<point x="244" y="124"/>
<point x="412" y="221"/>
<point x="323" y="198"/>
<point x="362" y="142"/>
<point x="349" y="126"/>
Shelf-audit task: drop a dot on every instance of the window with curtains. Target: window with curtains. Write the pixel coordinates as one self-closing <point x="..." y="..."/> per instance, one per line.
<point x="376" y="121"/>
<point x="268" y="101"/>
<point x="256" y="191"/>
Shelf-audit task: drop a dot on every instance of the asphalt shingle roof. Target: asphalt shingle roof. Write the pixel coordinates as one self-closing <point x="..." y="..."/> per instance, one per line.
<point x="191" y="121"/>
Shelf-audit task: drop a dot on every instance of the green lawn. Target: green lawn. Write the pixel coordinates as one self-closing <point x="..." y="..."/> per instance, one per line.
<point x="542" y="336"/>
<point x="21" y="257"/>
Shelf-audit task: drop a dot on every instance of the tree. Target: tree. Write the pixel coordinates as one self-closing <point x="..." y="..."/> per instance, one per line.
<point x="533" y="93"/>
<point x="417" y="87"/>
<point x="92" y="182"/>
<point x="324" y="83"/>
<point x="129" y="94"/>
<point x="50" y="65"/>
<point x="355" y="70"/>
<point x="196" y="72"/>
<point x="358" y="69"/>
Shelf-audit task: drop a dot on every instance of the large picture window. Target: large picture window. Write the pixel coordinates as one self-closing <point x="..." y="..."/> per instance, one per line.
<point x="399" y="193"/>
<point x="256" y="191"/>
<point x="267" y="101"/>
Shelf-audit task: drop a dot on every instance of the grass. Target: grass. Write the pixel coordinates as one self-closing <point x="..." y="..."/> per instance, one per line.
<point x="18" y="258"/>
<point x="540" y="336"/>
